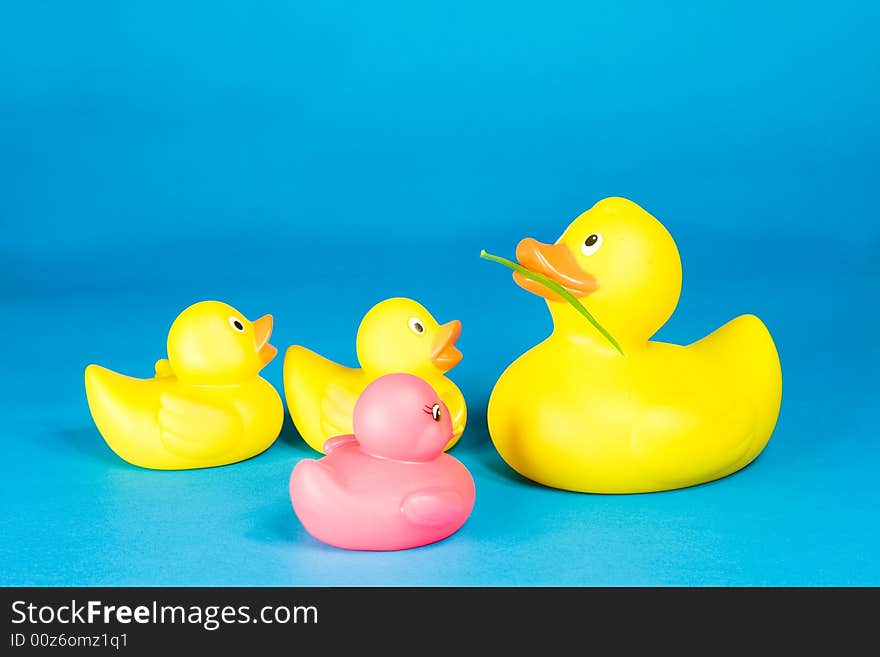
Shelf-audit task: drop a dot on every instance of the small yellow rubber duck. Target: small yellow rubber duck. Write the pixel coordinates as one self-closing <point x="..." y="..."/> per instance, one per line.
<point x="207" y="404"/>
<point x="396" y="335"/>
<point x="585" y="411"/>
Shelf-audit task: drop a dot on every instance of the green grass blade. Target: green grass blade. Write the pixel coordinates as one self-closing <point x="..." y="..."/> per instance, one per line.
<point x="556" y="287"/>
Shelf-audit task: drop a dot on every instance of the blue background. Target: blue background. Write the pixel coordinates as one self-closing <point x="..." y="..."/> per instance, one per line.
<point x="312" y="159"/>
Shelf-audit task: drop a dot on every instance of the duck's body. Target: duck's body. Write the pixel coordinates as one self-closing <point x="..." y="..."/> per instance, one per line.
<point x="575" y="413"/>
<point x="321" y="394"/>
<point x="164" y="424"/>
<point x="356" y="501"/>
<point x="207" y="404"/>
<point x="658" y="418"/>
<point x="391" y="487"/>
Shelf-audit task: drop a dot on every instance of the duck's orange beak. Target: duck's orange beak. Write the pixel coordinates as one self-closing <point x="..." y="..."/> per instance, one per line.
<point x="262" y="331"/>
<point x="556" y="262"/>
<point x="444" y="354"/>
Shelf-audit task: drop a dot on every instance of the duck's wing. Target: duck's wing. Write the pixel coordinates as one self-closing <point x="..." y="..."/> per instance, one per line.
<point x="433" y="506"/>
<point x="197" y="428"/>
<point x="684" y="445"/>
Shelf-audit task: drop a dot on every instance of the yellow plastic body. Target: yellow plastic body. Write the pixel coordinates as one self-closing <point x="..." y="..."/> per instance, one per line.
<point x="573" y="413"/>
<point x="321" y="393"/>
<point x="207" y="404"/>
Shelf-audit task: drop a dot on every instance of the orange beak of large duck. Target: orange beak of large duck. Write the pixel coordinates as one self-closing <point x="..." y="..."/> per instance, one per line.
<point x="556" y="262"/>
<point x="444" y="353"/>
<point x="262" y="331"/>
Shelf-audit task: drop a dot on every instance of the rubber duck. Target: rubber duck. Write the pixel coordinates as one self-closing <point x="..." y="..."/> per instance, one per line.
<point x="600" y="407"/>
<point x="206" y="405"/>
<point x="396" y="335"/>
<point x="389" y="486"/>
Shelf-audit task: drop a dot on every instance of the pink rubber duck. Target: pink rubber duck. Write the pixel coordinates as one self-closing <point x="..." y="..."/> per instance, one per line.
<point x="389" y="486"/>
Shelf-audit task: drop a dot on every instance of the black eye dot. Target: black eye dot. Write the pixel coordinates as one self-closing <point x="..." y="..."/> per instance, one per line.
<point x="435" y="412"/>
<point x="238" y="325"/>
<point x="591" y="240"/>
<point x="419" y="328"/>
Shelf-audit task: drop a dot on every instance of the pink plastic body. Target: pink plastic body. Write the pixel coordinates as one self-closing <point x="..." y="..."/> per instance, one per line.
<point x="389" y="486"/>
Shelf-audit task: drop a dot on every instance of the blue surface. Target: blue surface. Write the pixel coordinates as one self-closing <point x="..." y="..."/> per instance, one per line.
<point x="310" y="161"/>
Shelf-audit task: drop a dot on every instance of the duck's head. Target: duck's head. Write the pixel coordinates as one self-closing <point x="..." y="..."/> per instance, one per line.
<point x="400" y="416"/>
<point x="619" y="261"/>
<point x="400" y="335"/>
<point x="212" y="343"/>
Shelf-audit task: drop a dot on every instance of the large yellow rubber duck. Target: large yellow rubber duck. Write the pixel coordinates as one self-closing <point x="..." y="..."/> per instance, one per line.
<point x="616" y="412"/>
<point x="396" y="335"/>
<point x="207" y="404"/>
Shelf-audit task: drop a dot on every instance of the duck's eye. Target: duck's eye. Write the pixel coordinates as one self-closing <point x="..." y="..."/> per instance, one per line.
<point x="416" y="326"/>
<point x="592" y="244"/>
<point x="237" y="324"/>
<point x="435" y="412"/>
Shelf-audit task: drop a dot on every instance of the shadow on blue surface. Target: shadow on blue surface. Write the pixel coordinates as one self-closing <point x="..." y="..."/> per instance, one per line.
<point x="85" y="443"/>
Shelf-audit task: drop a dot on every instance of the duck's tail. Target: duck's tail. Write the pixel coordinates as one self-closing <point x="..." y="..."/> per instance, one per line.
<point x="122" y="407"/>
<point x="316" y="498"/>
<point x="750" y="362"/>
<point x="315" y="389"/>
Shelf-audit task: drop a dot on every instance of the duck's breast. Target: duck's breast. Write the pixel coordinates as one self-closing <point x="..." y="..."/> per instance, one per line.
<point x="560" y="414"/>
